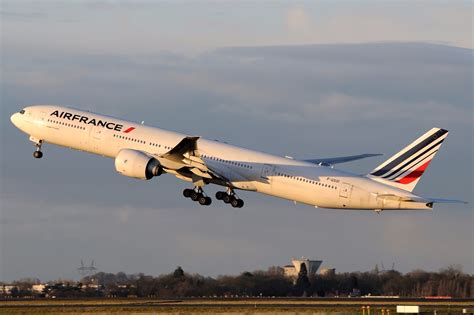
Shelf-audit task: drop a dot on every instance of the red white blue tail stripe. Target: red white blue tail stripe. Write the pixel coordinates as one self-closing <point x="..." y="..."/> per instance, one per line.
<point x="405" y="168"/>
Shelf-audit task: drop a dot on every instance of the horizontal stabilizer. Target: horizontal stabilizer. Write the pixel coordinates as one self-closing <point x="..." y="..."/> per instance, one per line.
<point x="440" y="200"/>
<point x="400" y="198"/>
<point x="342" y="159"/>
<point x="415" y="200"/>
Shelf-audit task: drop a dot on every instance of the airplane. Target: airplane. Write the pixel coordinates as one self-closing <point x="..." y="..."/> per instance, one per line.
<point x="144" y="152"/>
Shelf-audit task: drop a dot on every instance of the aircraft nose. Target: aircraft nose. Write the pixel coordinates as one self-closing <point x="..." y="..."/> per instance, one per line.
<point x="15" y="118"/>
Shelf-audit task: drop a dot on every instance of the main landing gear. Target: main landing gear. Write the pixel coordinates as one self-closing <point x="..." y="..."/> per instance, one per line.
<point x="197" y="195"/>
<point x="230" y="197"/>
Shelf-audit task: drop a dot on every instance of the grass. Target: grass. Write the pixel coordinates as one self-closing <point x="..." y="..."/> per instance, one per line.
<point x="222" y="306"/>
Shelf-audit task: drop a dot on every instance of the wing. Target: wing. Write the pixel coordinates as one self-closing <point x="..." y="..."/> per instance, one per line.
<point x="342" y="159"/>
<point x="186" y="162"/>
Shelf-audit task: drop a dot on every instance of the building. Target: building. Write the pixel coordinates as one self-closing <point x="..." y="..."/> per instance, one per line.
<point x="327" y="272"/>
<point x="38" y="288"/>
<point x="6" y="289"/>
<point x="292" y="271"/>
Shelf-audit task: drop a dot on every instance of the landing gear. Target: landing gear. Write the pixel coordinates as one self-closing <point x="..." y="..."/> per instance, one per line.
<point x="197" y="195"/>
<point x="230" y="197"/>
<point x="37" y="154"/>
<point x="187" y="192"/>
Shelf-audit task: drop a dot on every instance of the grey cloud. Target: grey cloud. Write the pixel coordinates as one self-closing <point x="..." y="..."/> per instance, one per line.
<point x="307" y="102"/>
<point x="219" y="240"/>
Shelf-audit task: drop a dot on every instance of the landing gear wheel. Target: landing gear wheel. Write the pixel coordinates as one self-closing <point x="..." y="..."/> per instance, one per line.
<point x="187" y="193"/>
<point x="220" y="195"/>
<point x="38" y="154"/>
<point x="240" y="203"/>
<point x="234" y="202"/>
<point x="203" y="200"/>
<point x="227" y="198"/>
<point x="195" y="196"/>
<point x="208" y="201"/>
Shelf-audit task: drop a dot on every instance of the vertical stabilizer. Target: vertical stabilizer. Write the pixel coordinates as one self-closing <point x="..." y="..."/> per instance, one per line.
<point x="404" y="169"/>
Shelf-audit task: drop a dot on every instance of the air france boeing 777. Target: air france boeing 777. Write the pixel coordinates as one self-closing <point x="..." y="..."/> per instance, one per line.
<point x="144" y="152"/>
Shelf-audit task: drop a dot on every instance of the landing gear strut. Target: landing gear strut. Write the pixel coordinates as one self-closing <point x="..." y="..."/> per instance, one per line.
<point x="197" y="194"/>
<point x="229" y="196"/>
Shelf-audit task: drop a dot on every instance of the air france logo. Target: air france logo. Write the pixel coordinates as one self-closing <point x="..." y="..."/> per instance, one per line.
<point x="86" y="120"/>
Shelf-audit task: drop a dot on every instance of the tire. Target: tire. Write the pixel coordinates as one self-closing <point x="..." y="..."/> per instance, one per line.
<point x="37" y="154"/>
<point x="208" y="201"/>
<point x="187" y="193"/>
<point x="227" y="198"/>
<point x="195" y="196"/>
<point x="234" y="202"/>
<point x="241" y="203"/>
<point x="202" y="200"/>
<point x="220" y="195"/>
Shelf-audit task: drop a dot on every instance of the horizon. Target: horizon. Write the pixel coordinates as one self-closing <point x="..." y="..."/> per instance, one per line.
<point x="376" y="268"/>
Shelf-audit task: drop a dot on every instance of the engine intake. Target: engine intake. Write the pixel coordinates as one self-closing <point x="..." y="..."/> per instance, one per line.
<point x="137" y="164"/>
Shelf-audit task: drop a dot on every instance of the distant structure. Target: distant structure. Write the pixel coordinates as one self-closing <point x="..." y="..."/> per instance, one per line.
<point x="327" y="272"/>
<point x="292" y="271"/>
<point x="86" y="271"/>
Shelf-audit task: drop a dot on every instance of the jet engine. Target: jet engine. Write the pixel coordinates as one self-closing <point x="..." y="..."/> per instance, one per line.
<point x="137" y="164"/>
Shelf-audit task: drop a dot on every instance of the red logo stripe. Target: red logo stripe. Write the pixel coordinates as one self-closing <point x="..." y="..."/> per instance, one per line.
<point x="414" y="175"/>
<point x="129" y="129"/>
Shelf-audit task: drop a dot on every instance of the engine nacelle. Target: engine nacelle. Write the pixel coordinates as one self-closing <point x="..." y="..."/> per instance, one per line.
<point x="137" y="164"/>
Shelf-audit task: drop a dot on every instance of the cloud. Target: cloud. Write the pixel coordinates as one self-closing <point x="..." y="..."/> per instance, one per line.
<point x="47" y="239"/>
<point x="137" y="28"/>
<point x="297" y="20"/>
<point x="304" y="101"/>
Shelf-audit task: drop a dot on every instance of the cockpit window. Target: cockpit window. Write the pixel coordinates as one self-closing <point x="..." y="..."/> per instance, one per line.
<point x="22" y="111"/>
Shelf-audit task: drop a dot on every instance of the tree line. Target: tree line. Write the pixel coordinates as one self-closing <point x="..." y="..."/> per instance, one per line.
<point x="270" y="283"/>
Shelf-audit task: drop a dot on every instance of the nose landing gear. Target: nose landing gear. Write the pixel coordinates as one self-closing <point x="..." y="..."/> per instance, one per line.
<point x="230" y="197"/>
<point x="197" y="194"/>
<point x="37" y="154"/>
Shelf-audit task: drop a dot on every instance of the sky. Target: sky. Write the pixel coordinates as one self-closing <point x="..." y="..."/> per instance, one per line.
<point x="305" y="79"/>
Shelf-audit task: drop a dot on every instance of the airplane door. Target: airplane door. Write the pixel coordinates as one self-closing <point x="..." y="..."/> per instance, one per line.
<point x="345" y="190"/>
<point x="267" y="170"/>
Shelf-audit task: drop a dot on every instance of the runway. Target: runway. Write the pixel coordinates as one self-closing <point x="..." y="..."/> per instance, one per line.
<point x="234" y="305"/>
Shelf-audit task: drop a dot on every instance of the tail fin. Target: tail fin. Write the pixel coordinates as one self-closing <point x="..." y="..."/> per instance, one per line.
<point x="404" y="169"/>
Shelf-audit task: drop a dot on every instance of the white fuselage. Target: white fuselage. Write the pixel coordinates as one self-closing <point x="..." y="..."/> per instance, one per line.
<point x="299" y="181"/>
